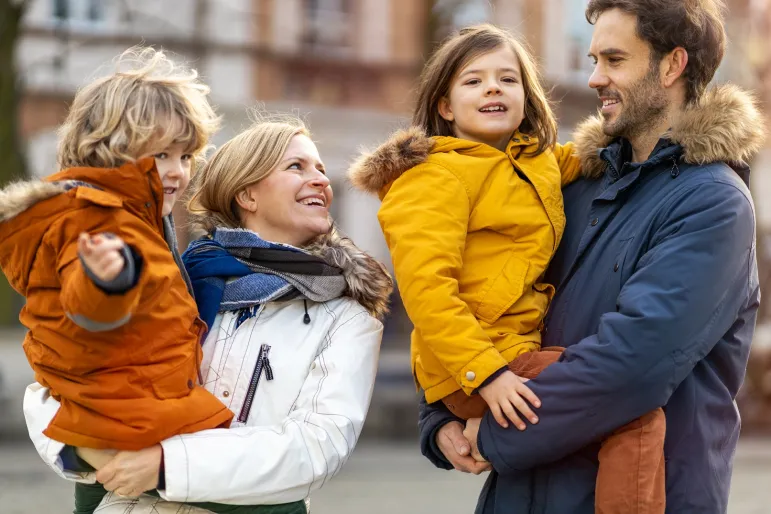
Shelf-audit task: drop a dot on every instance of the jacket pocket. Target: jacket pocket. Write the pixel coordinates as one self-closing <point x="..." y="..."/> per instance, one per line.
<point x="179" y="381"/>
<point x="181" y="378"/>
<point x="503" y="290"/>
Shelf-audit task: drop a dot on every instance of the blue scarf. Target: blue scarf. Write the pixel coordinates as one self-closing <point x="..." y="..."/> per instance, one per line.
<point x="236" y="270"/>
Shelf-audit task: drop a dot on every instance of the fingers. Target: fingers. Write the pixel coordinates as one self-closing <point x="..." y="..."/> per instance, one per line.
<point x="469" y="465"/>
<point x="459" y="442"/>
<point x="528" y="394"/>
<point x="102" y="254"/>
<point x="511" y="414"/>
<point x="500" y="417"/>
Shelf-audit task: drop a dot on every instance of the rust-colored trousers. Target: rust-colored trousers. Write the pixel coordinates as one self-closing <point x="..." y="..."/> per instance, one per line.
<point x="631" y="475"/>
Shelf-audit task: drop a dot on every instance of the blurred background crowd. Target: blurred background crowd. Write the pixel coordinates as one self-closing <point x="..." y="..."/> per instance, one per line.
<point x="349" y="68"/>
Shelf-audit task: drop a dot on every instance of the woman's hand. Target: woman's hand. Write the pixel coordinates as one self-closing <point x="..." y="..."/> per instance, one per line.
<point x="471" y="433"/>
<point x="132" y="473"/>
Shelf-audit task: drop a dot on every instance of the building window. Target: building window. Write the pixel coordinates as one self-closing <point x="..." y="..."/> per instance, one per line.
<point x="328" y="26"/>
<point x="78" y="12"/>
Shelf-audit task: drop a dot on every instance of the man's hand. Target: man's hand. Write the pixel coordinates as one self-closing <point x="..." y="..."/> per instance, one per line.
<point x="457" y="449"/>
<point x="132" y="473"/>
<point x="507" y="393"/>
<point x="102" y="255"/>
<point x="471" y="433"/>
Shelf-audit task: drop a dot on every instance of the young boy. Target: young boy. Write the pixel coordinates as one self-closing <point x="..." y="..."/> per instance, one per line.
<point x="113" y="330"/>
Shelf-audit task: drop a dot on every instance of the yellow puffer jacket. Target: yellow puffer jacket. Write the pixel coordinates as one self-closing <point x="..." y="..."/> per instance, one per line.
<point x="471" y="230"/>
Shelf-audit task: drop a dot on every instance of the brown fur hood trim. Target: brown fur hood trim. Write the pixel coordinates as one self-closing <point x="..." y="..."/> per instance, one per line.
<point x="20" y="196"/>
<point x="368" y="281"/>
<point x="726" y="125"/>
<point x="405" y="149"/>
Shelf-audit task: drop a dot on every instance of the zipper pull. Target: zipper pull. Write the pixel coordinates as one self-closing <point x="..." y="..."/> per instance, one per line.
<point x="307" y="317"/>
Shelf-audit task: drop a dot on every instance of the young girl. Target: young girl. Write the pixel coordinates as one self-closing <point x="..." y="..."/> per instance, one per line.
<point x="472" y="214"/>
<point x="113" y="331"/>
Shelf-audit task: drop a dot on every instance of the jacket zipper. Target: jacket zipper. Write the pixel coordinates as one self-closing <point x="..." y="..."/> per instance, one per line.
<point x="263" y="364"/>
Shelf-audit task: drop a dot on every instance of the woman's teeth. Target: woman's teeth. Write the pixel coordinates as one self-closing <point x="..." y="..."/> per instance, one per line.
<point x="313" y="201"/>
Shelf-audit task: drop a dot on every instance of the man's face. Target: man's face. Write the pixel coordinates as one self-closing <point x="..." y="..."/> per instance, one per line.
<point x="627" y="82"/>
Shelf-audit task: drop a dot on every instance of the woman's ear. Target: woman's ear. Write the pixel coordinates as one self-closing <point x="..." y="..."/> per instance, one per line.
<point x="245" y="199"/>
<point x="445" y="111"/>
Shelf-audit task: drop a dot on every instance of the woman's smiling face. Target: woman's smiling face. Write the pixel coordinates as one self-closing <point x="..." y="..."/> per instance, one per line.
<point x="290" y="205"/>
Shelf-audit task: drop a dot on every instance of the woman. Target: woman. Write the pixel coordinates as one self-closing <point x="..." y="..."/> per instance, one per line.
<point x="294" y="339"/>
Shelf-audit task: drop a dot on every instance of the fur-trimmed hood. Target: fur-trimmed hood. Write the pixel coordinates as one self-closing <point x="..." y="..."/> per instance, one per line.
<point x="20" y="196"/>
<point x="405" y="149"/>
<point x="725" y="125"/>
<point x="368" y="281"/>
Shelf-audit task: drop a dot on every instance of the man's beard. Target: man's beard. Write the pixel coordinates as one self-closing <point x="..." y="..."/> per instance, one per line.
<point x="643" y="107"/>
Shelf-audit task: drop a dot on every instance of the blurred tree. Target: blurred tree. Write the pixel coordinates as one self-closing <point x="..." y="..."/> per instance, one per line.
<point x="439" y="18"/>
<point x="12" y="163"/>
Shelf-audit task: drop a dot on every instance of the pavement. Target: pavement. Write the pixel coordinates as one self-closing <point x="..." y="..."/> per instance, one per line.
<point x="380" y="478"/>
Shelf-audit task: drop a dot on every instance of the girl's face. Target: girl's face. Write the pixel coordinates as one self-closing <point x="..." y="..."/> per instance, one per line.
<point x="486" y="101"/>
<point x="290" y="205"/>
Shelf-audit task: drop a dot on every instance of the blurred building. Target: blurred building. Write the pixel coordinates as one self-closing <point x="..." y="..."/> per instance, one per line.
<point x="347" y="66"/>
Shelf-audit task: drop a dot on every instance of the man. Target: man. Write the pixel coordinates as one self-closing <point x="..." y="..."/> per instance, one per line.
<point x="656" y="274"/>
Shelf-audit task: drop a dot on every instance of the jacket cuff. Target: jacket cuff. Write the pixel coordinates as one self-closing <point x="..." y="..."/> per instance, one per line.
<point x="492" y="377"/>
<point x="479" y="369"/>
<point x="176" y="486"/>
<point x="126" y="280"/>
<point x="433" y="417"/>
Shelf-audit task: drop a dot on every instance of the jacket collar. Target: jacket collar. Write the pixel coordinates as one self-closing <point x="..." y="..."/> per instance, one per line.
<point x="724" y="126"/>
<point x="136" y="183"/>
<point x="407" y="148"/>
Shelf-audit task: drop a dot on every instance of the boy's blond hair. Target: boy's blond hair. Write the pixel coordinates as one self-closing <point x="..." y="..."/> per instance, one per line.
<point x="147" y="104"/>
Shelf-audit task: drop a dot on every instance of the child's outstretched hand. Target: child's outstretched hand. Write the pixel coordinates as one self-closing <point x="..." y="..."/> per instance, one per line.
<point x="507" y="393"/>
<point x="102" y="255"/>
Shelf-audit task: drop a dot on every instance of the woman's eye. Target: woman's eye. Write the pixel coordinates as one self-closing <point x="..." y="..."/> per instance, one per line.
<point x="162" y="155"/>
<point x="295" y="166"/>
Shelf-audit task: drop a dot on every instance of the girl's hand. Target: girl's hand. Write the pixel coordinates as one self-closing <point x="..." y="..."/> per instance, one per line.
<point x="132" y="473"/>
<point x="102" y="255"/>
<point x="507" y="394"/>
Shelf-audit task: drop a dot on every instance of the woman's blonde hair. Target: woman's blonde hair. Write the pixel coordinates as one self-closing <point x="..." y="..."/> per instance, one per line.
<point x="148" y="103"/>
<point x="241" y="162"/>
<point x="455" y="53"/>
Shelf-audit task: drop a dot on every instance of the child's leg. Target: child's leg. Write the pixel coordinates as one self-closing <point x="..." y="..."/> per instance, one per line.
<point x="88" y="497"/>
<point x="96" y="458"/>
<point x="528" y="365"/>
<point x="631" y="478"/>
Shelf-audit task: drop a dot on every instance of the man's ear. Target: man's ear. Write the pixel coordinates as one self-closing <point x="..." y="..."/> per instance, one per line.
<point x="673" y="66"/>
<point x="445" y="111"/>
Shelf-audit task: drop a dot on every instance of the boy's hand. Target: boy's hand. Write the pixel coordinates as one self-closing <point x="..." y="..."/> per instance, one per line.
<point x="102" y="255"/>
<point x="505" y="394"/>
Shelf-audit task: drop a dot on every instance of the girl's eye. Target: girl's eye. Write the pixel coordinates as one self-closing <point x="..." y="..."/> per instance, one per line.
<point x="161" y="155"/>
<point x="187" y="157"/>
<point x="510" y="80"/>
<point x="472" y="82"/>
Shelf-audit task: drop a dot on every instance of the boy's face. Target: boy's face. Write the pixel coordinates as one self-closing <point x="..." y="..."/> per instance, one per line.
<point x="173" y="164"/>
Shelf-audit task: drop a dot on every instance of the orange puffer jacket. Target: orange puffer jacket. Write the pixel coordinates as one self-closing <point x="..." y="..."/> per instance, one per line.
<point x="124" y="366"/>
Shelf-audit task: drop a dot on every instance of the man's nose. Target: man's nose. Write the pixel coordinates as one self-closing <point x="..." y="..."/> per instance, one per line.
<point x="598" y="78"/>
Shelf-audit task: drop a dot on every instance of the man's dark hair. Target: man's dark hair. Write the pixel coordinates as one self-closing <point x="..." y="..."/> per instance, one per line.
<point x="696" y="25"/>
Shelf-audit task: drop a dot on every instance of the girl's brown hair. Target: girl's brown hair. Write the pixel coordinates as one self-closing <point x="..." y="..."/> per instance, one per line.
<point x="454" y="54"/>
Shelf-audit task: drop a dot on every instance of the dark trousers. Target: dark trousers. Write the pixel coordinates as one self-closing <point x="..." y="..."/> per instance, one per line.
<point x="88" y="497"/>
